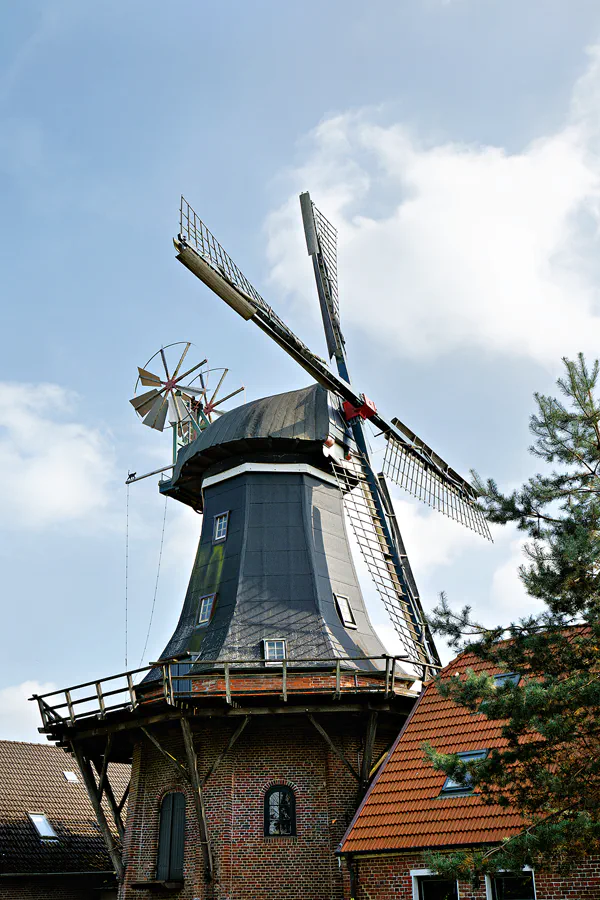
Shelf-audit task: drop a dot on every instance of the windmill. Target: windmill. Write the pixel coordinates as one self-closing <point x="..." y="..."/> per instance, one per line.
<point x="185" y="399"/>
<point x="409" y="462"/>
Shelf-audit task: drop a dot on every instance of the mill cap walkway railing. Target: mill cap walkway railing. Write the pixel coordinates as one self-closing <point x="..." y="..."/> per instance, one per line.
<point x="223" y="680"/>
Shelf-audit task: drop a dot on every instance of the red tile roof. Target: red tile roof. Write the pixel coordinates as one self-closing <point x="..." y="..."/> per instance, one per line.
<point x="403" y="808"/>
<point x="32" y="780"/>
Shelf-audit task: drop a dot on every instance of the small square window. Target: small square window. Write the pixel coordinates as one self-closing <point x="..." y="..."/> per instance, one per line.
<point x="43" y="826"/>
<point x="453" y="787"/>
<point x="71" y="777"/>
<point x="345" y="611"/>
<point x="220" y="527"/>
<point x="275" y="651"/>
<point x="513" y="887"/>
<point x="507" y="678"/>
<point x="205" y="609"/>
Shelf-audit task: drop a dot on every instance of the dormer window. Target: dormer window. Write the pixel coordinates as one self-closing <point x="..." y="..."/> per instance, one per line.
<point x="344" y="611"/>
<point x="205" y="609"/>
<point x="43" y="827"/>
<point x="452" y="787"/>
<point x="274" y="651"/>
<point x="220" y="524"/>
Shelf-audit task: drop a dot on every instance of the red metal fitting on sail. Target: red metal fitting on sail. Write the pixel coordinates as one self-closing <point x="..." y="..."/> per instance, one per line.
<point x="366" y="411"/>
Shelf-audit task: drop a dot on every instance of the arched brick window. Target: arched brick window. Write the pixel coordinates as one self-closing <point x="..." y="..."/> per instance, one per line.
<point x="169" y="866"/>
<point x="280" y="811"/>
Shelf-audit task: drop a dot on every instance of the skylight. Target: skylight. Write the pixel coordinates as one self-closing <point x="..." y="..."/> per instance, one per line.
<point x="71" y="777"/>
<point x="451" y="786"/>
<point x="507" y="678"/>
<point x="43" y="826"/>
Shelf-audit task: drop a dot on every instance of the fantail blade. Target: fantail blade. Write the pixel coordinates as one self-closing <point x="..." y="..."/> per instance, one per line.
<point x="147" y="378"/>
<point x="143" y="402"/>
<point x="157" y="415"/>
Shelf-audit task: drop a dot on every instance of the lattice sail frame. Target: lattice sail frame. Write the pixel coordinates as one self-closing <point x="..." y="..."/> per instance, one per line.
<point x="406" y="468"/>
<point x="402" y="606"/>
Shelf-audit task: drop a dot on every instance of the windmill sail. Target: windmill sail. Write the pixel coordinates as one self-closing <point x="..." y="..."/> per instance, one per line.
<point x="429" y="478"/>
<point x="390" y="571"/>
<point x="321" y="242"/>
<point x="416" y="468"/>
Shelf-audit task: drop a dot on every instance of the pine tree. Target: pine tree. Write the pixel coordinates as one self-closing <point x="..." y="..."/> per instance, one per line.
<point x="550" y="768"/>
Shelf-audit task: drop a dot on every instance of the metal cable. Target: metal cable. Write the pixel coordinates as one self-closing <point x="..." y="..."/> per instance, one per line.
<point x="162" y="538"/>
<point x="126" y="567"/>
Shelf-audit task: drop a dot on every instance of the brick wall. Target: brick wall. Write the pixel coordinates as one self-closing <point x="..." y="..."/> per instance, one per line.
<point x="59" y="887"/>
<point x="277" y="749"/>
<point x="388" y="878"/>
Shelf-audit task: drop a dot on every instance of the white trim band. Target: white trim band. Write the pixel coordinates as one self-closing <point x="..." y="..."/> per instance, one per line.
<point x="296" y="468"/>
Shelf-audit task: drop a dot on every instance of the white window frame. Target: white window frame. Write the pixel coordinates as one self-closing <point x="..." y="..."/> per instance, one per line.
<point x="43" y="837"/>
<point x="274" y="662"/>
<point x="415" y="874"/>
<point x="338" y="605"/>
<point x="71" y="777"/>
<point x="212" y="598"/>
<point x="216" y="523"/>
<point x="488" y="881"/>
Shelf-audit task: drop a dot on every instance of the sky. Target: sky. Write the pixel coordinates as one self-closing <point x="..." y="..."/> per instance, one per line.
<point x="453" y="143"/>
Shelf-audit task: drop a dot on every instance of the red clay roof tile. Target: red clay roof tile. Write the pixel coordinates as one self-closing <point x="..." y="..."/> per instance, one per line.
<point x="403" y="808"/>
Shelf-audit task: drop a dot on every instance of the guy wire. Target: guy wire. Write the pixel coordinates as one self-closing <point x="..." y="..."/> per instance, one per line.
<point x="126" y="566"/>
<point x="162" y="538"/>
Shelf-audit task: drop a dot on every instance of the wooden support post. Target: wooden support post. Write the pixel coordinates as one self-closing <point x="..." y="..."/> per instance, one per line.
<point x="123" y="799"/>
<point x="224" y="752"/>
<point x="132" y="695"/>
<point x="337" y="752"/>
<point x="338" y="680"/>
<point x="367" y="760"/>
<point x="198" y="799"/>
<point x="284" y="680"/>
<point x="114" y="808"/>
<point x="101" y="703"/>
<point x="168" y="756"/>
<point x="90" y="783"/>
<point x="105" y="787"/>
<point x="102" y="772"/>
<point x="70" y="705"/>
<point x="227" y="684"/>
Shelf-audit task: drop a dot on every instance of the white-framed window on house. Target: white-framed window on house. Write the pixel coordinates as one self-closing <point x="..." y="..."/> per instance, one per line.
<point x="344" y="610"/>
<point x="205" y="609"/>
<point x="274" y="651"/>
<point x="511" y="886"/>
<point x="220" y="524"/>
<point x="43" y="827"/>
<point x="426" y="885"/>
<point x="452" y="787"/>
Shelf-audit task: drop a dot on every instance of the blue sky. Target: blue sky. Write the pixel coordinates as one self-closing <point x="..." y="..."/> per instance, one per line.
<point x="453" y="143"/>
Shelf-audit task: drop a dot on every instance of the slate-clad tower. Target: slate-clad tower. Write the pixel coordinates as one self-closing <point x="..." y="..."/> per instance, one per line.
<point x="282" y="558"/>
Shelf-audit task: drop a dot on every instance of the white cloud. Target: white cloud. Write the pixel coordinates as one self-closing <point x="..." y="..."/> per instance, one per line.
<point x="55" y="470"/>
<point x="19" y="718"/>
<point x="456" y="245"/>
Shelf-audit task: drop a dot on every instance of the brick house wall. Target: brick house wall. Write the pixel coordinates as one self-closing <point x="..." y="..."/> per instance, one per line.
<point x="387" y="877"/>
<point x="60" y="887"/>
<point x="276" y="749"/>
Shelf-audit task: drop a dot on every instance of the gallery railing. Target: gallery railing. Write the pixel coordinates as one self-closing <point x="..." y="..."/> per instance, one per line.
<point x="181" y="680"/>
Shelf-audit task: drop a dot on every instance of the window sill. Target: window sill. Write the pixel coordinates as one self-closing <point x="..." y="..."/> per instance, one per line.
<point x="275" y="838"/>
